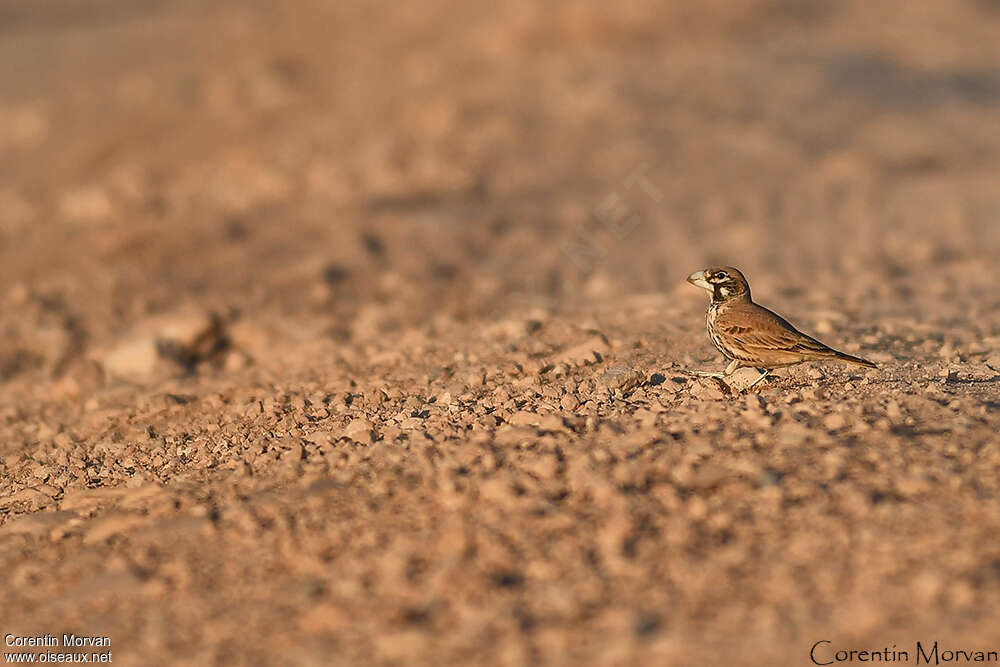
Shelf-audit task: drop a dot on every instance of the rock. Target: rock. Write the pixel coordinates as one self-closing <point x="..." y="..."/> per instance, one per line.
<point x="32" y="497"/>
<point x="239" y="185"/>
<point x="190" y="338"/>
<point x="542" y="467"/>
<point x="523" y="418"/>
<point x="708" y="389"/>
<point x="657" y="379"/>
<point x="755" y="411"/>
<point x="757" y="418"/>
<point x="510" y="436"/>
<point x="569" y="403"/>
<point x="235" y="360"/>
<point x="709" y="475"/>
<point x="101" y="528"/>
<point x="743" y="378"/>
<point x="65" y="387"/>
<point x="834" y="422"/>
<point x="37" y="523"/>
<point x="323" y="618"/>
<point x="792" y="434"/>
<point x="86" y="205"/>
<point x="132" y="360"/>
<point x="619" y="378"/>
<point x="551" y="424"/>
<point x="589" y="352"/>
<point x="185" y="337"/>
<point x="560" y="370"/>
<point x="360" y="430"/>
<point x="86" y="500"/>
<point x="894" y="412"/>
<point x="994" y="362"/>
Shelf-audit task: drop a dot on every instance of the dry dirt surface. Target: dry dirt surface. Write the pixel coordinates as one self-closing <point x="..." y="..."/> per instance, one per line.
<point x="354" y="332"/>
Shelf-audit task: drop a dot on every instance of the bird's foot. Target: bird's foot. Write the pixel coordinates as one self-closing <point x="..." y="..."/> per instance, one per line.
<point x="705" y="374"/>
<point x="763" y="374"/>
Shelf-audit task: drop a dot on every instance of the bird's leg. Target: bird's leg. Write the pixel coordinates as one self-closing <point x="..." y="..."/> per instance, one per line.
<point x="730" y="369"/>
<point x="763" y="374"/>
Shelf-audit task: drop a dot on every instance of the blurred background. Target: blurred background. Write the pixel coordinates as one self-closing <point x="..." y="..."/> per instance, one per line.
<point x="463" y="157"/>
<point x="363" y="206"/>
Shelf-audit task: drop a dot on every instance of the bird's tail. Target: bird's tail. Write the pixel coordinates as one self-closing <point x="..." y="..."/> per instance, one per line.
<point x="853" y="360"/>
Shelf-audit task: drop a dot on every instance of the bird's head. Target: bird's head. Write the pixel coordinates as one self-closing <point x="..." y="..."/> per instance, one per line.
<point x="724" y="282"/>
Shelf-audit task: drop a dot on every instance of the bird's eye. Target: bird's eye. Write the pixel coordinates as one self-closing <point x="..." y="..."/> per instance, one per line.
<point x="721" y="275"/>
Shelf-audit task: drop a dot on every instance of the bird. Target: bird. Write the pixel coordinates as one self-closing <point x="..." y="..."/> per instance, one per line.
<point x="751" y="336"/>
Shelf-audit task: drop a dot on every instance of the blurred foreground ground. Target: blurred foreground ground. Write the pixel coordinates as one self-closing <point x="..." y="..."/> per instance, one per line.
<point x="445" y="245"/>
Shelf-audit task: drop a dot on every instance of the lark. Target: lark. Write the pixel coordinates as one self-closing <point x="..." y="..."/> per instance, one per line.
<point x="751" y="336"/>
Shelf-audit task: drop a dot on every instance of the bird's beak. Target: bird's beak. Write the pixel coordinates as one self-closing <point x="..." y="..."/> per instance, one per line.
<point x="698" y="280"/>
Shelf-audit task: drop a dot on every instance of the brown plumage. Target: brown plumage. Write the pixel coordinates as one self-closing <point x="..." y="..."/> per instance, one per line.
<point x="749" y="335"/>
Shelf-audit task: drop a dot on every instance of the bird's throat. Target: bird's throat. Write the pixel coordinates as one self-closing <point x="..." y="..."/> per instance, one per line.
<point x="728" y="294"/>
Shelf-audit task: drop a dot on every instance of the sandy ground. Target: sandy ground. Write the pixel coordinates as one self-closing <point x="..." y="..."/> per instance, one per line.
<point x="352" y="333"/>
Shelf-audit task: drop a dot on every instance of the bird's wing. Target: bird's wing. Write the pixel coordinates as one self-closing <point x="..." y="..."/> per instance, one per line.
<point x="757" y="327"/>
